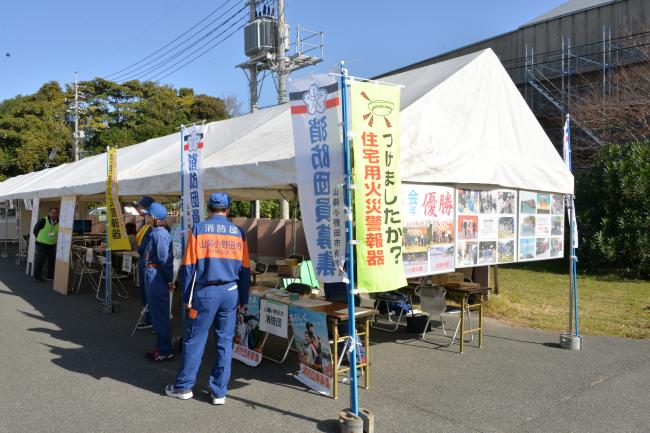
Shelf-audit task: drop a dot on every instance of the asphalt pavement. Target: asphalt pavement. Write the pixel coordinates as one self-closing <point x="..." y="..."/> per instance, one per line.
<point x="67" y="367"/>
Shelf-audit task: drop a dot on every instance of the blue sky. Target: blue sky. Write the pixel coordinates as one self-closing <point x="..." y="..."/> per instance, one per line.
<point x="49" y="40"/>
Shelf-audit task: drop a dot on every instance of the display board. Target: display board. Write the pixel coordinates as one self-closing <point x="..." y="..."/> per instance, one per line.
<point x="247" y="347"/>
<point x="63" y="243"/>
<point x="506" y="226"/>
<point x="485" y="227"/>
<point x="541" y="226"/>
<point x="314" y="352"/>
<point x="428" y="212"/>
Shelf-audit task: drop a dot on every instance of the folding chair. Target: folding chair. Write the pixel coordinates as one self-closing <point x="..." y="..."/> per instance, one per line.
<point x="386" y="298"/>
<point x="259" y="269"/>
<point x="115" y="277"/>
<point x="80" y="268"/>
<point x="434" y="303"/>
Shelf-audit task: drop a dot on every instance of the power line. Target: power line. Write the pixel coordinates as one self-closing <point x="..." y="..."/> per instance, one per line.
<point x="121" y="71"/>
<point x="205" y="51"/>
<point x="176" y="57"/>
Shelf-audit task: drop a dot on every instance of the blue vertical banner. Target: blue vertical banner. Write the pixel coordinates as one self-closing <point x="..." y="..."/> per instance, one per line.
<point x="193" y="200"/>
<point x="319" y="172"/>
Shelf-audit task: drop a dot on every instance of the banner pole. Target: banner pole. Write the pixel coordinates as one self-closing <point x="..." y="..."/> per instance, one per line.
<point x="574" y="259"/>
<point x="354" y="400"/>
<point x="183" y="233"/>
<point x="108" y="303"/>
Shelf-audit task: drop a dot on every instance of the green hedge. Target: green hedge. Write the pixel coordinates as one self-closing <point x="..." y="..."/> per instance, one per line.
<point x="613" y="211"/>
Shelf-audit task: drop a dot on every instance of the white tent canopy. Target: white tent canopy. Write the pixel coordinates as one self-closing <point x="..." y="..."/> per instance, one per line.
<point x="463" y="123"/>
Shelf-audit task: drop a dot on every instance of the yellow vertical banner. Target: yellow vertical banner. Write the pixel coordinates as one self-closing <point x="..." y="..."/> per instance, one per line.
<point x="117" y="237"/>
<point x="375" y="119"/>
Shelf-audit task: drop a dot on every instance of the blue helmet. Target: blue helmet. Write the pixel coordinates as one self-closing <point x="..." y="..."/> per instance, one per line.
<point x="219" y="199"/>
<point x="158" y="211"/>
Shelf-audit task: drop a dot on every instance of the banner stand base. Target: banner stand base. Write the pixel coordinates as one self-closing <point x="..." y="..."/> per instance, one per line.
<point x="110" y="308"/>
<point x="349" y="423"/>
<point x="570" y="342"/>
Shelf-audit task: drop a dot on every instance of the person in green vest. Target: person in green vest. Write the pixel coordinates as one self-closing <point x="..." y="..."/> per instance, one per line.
<point x="46" y="232"/>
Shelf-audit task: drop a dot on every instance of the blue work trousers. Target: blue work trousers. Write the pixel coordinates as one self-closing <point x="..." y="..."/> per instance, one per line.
<point x="143" y="290"/>
<point x="214" y="305"/>
<point x="158" y="296"/>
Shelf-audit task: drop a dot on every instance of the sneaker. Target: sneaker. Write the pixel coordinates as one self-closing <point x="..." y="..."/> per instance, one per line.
<point x="161" y="358"/>
<point x="218" y="401"/>
<point x="143" y="325"/>
<point x="38" y="280"/>
<point x="172" y="391"/>
<point x="49" y="279"/>
<point x="152" y="354"/>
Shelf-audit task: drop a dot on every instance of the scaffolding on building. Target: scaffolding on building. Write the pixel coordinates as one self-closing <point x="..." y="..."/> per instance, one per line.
<point x="553" y="82"/>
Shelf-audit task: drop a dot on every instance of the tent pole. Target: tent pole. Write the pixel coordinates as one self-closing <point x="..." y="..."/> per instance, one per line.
<point x="183" y="234"/>
<point x="108" y="302"/>
<point x="354" y="400"/>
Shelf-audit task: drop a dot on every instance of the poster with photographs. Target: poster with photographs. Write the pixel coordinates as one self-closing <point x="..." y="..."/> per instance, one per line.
<point x="541" y="226"/>
<point x="485" y="227"/>
<point x="507" y="226"/>
<point x="428" y="215"/>
<point x="247" y="346"/>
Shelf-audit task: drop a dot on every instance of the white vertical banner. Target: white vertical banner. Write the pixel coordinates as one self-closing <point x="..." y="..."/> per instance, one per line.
<point x="319" y="171"/>
<point x="193" y="200"/>
<point x="29" y="270"/>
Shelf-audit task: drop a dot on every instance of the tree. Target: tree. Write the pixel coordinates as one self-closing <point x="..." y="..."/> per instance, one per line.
<point x="30" y="127"/>
<point x="112" y="114"/>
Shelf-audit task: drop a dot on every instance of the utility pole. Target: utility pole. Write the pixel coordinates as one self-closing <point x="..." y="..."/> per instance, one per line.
<point x="252" y="69"/>
<point x="281" y="57"/>
<point x="266" y="42"/>
<point x="252" y="86"/>
<point x="78" y="135"/>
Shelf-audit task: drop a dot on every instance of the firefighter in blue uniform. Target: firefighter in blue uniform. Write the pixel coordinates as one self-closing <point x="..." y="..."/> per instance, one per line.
<point x="216" y="258"/>
<point x="158" y="260"/>
<point x="142" y="237"/>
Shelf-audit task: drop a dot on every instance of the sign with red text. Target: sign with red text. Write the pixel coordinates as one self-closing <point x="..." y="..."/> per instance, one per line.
<point x="428" y="212"/>
<point x="375" y="119"/>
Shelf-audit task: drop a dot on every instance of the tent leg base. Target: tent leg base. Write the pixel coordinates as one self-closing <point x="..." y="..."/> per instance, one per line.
<point x="110" y="308"/>
<point x="349" y="423"/>
<point x="570" y="342"/>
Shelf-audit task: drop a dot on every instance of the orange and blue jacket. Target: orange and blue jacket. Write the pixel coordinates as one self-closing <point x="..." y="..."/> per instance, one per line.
<point x="217" y="250"/>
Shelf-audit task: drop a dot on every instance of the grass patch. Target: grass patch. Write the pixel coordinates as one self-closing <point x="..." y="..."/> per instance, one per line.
<point x="539" y="299"/>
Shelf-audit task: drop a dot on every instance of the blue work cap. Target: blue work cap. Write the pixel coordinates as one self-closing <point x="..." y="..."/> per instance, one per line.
<point x="146" y="201"/>
<point x="158" y="211"/>
<point x="219" y="199"/>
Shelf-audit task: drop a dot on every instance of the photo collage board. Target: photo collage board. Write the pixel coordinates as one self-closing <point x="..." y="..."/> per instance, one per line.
<point x="486" y="222"/>
<point x="428" y="229"/>
<point x="445" y="228"/>
<point x="541" y="226"/>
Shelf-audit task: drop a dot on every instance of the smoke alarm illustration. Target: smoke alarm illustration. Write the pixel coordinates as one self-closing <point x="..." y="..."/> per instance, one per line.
<point x="378" y="108"/>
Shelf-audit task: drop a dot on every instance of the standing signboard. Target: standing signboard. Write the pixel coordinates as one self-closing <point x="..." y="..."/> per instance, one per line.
<point x="319" y="172"/>
<point x="428" y="212"/>
<point x="248" y="344"/>
<point x="314" y="352"/>
<point x="63" y="244"/>
<point x="375" y="119"/>
<point x="31" y="249"/>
